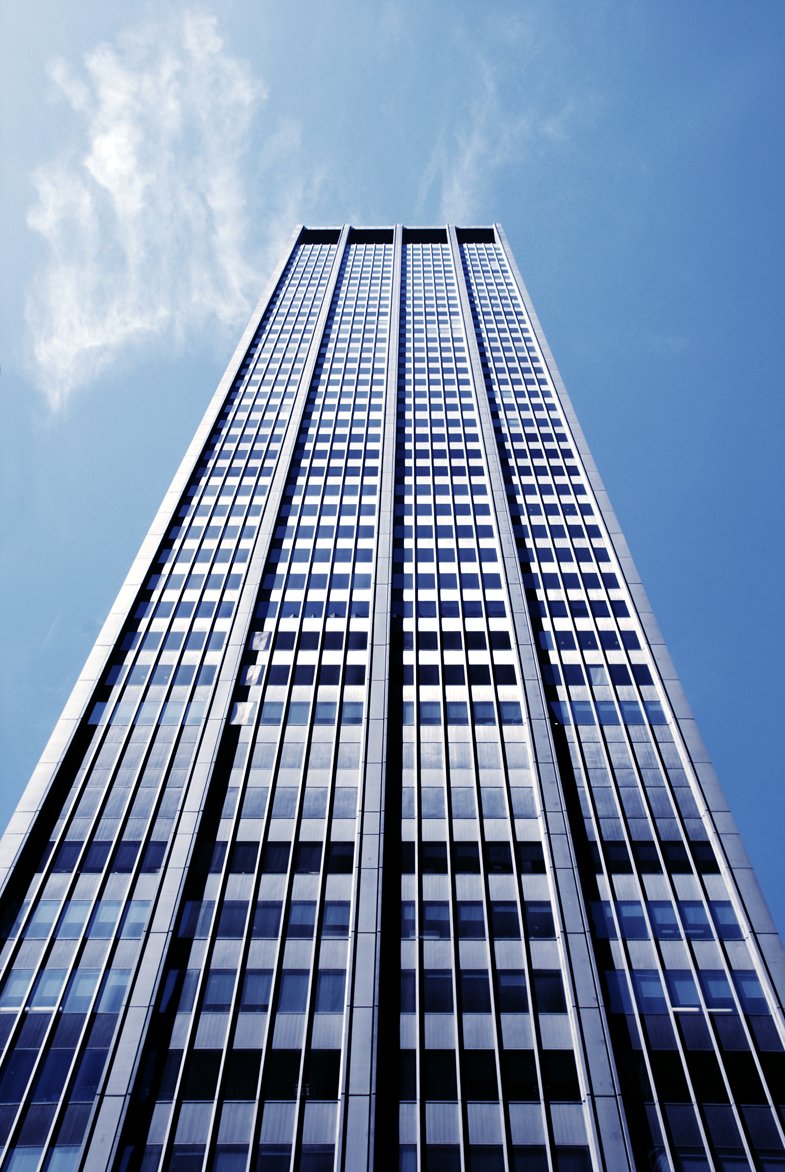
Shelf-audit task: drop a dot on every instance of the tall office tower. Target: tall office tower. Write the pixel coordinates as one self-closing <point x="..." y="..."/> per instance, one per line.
<point x="377" y="833"/>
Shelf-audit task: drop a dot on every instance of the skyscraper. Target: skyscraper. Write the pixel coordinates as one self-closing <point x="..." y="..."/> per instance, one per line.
<point x="377" y="832"/>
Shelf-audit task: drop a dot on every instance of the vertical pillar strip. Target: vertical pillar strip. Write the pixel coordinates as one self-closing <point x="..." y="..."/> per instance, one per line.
<point x="358" y="1130"/>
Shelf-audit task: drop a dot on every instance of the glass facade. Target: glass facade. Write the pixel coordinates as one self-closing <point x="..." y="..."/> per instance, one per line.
<point x="377" y="832"/>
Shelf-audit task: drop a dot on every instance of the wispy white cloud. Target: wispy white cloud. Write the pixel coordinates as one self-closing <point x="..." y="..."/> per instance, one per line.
<point x="144" y="214"/>
<point x="507" y="115"/>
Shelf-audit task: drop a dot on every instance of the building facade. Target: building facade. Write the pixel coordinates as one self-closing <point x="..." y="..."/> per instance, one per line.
<point x="377" y="832"/>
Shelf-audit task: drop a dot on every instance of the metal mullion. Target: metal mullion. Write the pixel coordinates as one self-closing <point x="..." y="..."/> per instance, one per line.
<point x="730" y="890"/>
<point x="286" y="902"/>
<point x="226" y="425"/>
<point x="44" y="1049"/>
<point x="46" y="874"/>
<point x="557" y="651"/>
<point x="607" y="875"/>
<point x="608" y="540"/>
<point x="98" y="741"/>
<point x="211" y="937"/>
<point x="455" y="948"/>
<point x="698" y="1103"/>
<point x="106" y="967"/>
<point x="76" y="707"/>
<point x="317" y="940"/>
<point x="525" y="950"/>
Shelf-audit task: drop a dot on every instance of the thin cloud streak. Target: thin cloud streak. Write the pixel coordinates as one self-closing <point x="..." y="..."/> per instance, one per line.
<point x="144" y="218"/>
<point x="504" y="120"/>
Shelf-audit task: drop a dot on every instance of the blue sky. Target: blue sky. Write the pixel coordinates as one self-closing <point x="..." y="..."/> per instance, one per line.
<point x="154" y="160"/>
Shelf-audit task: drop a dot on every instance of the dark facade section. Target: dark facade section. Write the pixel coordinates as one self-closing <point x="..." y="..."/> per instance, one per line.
<point x="377" y="832"/>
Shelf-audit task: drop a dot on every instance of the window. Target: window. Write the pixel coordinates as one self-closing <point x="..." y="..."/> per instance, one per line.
<point x="335" y="921"/>
<point x="440" y="1083"/>
<point x="80" y="991"/>
<point x="682" y="990"/>
<point x="560" y="1076"/>
<point x="531" y="860"/>
<point x="478" y="1076"/>
<point x="218" y="990"/>
<point x="302" y="917"/>
<point x="695" y="920"/>
<point x="330" y="990"/>
<point x="475" y="991"/>
<point x="648" y="991"/>
<point x="504" y="920"/>
<point x="716" y="989"/>
<point x="750" y="993"/>
<point x="539" y="920"/>
<point x="548" y="991"/>
<point x="40" y="923"/>
<point x="725" y="921"/>
<point x="113" y="991"/>
<point x="255" y="996"/>
<point x="294" y="991"/>
<point x="267" y="920"/>
<point x="632" y="920"/>
<point x="663" y="919"/>
<point x="73" y="919"/>
<point x="408" y="991"/>
<point x="435" y="920"/>
<point x="511" y="995"/>
<point x="231" y="919"/>
<point x="322" y="1077"/>
<point x="437" y="991"/>
<point x="471" y="920"/>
